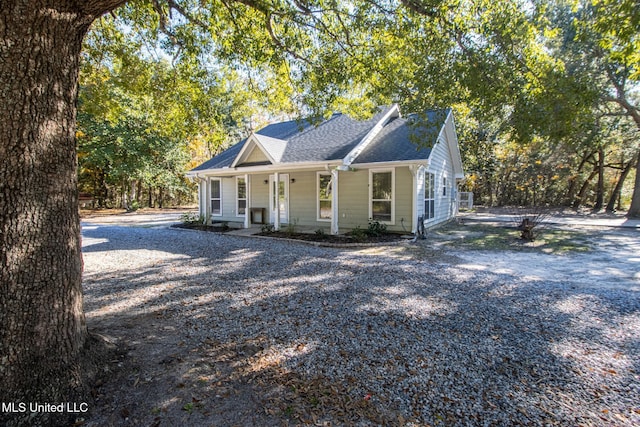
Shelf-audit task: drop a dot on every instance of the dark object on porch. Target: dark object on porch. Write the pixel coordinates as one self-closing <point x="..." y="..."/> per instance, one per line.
<point x="258" y="215"/>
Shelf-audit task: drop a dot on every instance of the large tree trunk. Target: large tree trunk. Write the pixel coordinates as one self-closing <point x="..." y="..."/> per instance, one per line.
<point x="42" y="323"/>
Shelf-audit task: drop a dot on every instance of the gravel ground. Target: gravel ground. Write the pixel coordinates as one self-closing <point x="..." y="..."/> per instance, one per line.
<point x="223" y="330"/>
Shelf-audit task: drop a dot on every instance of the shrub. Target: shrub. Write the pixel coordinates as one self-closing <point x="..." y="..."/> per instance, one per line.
<point x="530" y="221"/>
<point x="291" y="227"/>
<point x="267" y="228"/>
<point x="358" y="233"/>
<point x="376" y="229"/>
<point x="192" y="218"/>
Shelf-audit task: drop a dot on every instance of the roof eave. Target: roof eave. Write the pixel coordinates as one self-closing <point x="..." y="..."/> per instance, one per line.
<point x="318" y="165"/>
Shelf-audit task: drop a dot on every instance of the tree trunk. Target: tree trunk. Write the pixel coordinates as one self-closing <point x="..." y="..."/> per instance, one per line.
<point x="615" y="194"/>
<point x="580" y="197"/>
<point x="634" y="209"/>
<point x="43" y="326"/>
<point x="573" y="181"/>
<point x="600" y="186"/>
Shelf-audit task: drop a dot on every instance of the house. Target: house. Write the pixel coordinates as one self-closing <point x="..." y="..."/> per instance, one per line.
<point x="338" y="174"/>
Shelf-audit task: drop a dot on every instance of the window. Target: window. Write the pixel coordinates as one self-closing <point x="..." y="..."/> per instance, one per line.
<point x="429" y="196"/>
<point x="444" y="185"/>
<point x="325" y="187"/>
<point x="216" y="197"/>
<point x="381" y="190"/>
<point x="241" y="196"/>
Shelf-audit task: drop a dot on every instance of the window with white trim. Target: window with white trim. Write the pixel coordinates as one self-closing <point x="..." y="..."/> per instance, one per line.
<point x="381" y="195"/>
<point x="325" y="197"/>
<point x="444" y="186"/>
<point x="216" y="197"/>
<point x="241" y="196"/>
<point x="429" y="196"/>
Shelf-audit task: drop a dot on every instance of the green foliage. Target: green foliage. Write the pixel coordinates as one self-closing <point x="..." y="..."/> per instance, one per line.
<point x="535" y="86"/>
<point x="358" y="234"/>
<point x="291" y="227"/>
<point x="376" y="229"/>
<point x="192" y="218"/>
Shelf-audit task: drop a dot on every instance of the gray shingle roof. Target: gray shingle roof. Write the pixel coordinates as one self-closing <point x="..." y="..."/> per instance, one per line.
<point x="408" y="138"/>
<point x="334" y="138"/>
<point x="222" y="160"/>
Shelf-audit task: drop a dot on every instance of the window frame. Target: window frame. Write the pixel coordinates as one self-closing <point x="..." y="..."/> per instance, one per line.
<point x="444" y="186"/>
<point x="393" y="195"/>
<point x="238" y="198"/>
<point x="211" y="198"/>
<point x="318" y="199"/>
<point x="429" y="190"/>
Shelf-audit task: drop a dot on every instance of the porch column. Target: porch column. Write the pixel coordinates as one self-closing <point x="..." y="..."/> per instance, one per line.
<point x="276" y="216"/>
<point x="207" y="201"/>
<point x="334" y="201"/>
<point x="247" y="210"/>
<point x="414" y="205"/>
<point x="201" y="206"/>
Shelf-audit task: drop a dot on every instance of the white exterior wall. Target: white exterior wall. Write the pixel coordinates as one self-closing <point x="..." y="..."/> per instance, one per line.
<point x="441" y="165"/>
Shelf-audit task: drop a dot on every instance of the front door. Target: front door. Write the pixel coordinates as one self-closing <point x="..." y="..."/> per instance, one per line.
<point x="279" y="198"/>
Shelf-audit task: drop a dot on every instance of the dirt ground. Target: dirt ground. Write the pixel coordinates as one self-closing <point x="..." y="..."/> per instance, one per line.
<point x="155" y="368"/>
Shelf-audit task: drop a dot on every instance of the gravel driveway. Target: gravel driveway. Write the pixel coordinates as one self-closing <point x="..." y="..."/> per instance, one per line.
<point x="223" y="330"/>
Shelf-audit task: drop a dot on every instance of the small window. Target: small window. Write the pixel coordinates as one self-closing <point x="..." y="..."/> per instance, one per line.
<point x="381" y="196"/>
<point x="444" y="185"/>
<point x="241" y="196"/>
<point x="429" y="196"/>
<point x="216" y="197"/>
<point x="325" y="197"/>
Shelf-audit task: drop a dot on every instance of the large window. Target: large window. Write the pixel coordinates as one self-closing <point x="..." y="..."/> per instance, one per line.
<point x="241" y="196"/>
<point x="216" y="197"/>
<point x="429" y="196"/>
<point x="324" y="196"/>
<point x="381" y="188"/>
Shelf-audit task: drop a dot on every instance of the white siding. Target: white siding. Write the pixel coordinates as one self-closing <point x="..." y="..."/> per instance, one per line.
<point x="256" y="155"/>
<point x="441" y="165"/>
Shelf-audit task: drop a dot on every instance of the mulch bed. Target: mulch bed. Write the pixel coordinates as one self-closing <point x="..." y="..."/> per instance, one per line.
<point x="203" y="227"/>
<point x="335" y="239"/>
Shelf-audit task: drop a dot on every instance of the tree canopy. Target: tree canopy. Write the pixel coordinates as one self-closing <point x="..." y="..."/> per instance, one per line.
<point x="545" y="92"/>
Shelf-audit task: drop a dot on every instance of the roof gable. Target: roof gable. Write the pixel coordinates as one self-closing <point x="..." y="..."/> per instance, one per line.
<point x="259" y="149"/>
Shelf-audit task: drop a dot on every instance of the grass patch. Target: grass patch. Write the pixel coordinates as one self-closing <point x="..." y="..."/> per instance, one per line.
<point x="501" y="237"/>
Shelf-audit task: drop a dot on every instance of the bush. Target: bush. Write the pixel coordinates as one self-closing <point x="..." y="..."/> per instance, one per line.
<point x="358" y="233"/>
<point x="291" y="227"/>
<point x="133" y="206"/>
<point x="192" y="218"/>
<point x="376" y="229"/>
<point x="267" y="228"/>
